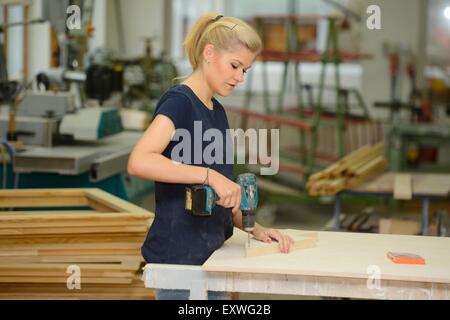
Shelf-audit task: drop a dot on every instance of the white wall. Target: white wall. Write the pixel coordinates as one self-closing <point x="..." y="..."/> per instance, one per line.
<point x="99" y="20"/>
<point x="14" y="54"/>
<point x="40" y="36"/>
<point x="400" y="25"/>
<point x="39" y="42"/>
<point x="141" y="19"/>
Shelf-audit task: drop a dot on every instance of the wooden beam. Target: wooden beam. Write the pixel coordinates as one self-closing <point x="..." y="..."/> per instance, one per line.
<point x="402" y="187"/>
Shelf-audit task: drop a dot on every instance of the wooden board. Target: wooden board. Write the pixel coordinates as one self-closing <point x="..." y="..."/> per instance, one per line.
<point x="425" y="184"/>
<point x="302" y="241"/>
<point x="96" y="198"/>
<point x="402" y="187"/>
<point x="340" y="254"/>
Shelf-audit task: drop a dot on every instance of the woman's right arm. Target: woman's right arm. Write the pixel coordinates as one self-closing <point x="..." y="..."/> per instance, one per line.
<point x="146" y="161"/>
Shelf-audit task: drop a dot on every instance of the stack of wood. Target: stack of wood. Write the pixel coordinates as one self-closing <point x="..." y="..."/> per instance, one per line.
<point x="349" y="172"/>
<point x="93" y="243"/>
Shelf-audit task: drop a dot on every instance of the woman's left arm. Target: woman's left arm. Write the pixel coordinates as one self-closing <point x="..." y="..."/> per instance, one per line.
<point x="265" y="234"/>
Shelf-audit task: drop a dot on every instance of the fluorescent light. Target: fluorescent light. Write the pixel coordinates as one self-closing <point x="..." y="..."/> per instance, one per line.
<point x="447" y="13"/>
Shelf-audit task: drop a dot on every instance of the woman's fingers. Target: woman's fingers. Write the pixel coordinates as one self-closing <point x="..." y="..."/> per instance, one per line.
<point x="231" y="198"/>
<point x="237" y="204"/>
<point x="284" y="241"/>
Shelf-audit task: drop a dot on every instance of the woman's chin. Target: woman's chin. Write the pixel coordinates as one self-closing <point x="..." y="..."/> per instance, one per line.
<point x="225" y="92"/>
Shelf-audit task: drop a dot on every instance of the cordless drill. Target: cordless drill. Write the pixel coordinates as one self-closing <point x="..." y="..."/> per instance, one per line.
<point x="201" y="199"/>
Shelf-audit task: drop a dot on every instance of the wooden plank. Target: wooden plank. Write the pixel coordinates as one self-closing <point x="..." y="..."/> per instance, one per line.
<point x="358" y="157"/>
<point x="45" y="214"/>
<point x="8" y="279"/>
<point x="59" y="267"/>
<point x="100" y="197"/>
<point x="64" y="252"/>
<point x="21" y="216"/>
<point x="73" y="238"/>
<point x="342" y="255"/>
<point x="301" y="241"/>
<point x="74" y="223"/>
<point x="33" y="202"/>
<point x="72" y="259"/>
<point x="425" y="184"/>
<point x="34" y="193"/>
<point x="65" y="246"/>
<point x="20" y="198"/>
<point x="402" y="187"/>
<point x="63" y="273"/>
<point x="71" y="230"/>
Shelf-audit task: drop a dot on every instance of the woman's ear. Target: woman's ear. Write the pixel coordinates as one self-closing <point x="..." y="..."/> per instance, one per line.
<point x="208" y="53"/>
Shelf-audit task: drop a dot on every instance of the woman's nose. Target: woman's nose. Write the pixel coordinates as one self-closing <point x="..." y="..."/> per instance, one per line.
<point x="239" y="76"/>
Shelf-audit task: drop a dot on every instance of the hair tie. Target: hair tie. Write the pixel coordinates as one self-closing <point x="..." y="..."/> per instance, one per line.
<point x="217" y="18"/>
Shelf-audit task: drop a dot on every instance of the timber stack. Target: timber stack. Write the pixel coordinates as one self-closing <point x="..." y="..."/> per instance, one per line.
<point x="349" y="172"/>
<point x="71" y="244"/>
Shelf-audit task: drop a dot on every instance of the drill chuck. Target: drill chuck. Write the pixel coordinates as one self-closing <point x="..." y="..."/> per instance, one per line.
<point x="248" y="220"/>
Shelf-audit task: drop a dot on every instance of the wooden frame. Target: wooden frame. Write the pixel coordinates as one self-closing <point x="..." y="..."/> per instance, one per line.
<point x="90" y="228"/>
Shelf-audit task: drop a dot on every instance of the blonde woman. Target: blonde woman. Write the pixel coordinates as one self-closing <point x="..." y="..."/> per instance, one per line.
<point x="220" y="49"/>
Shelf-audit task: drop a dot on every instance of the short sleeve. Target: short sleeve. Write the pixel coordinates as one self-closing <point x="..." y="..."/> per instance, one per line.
<point x="177" y="107"/>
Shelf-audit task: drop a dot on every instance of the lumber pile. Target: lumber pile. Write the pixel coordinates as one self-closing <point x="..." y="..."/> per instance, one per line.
<point x="349" y="172"/>
<point x="83" y="236"/>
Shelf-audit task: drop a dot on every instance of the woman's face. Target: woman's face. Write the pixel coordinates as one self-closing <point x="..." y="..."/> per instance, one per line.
<point x="224" y="69"/>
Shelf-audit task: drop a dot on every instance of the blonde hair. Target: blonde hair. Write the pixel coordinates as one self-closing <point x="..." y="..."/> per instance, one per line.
<point x="222" y="32"/>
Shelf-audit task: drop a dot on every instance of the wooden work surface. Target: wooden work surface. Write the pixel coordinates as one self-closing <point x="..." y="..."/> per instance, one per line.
<point x="424" y="184"/>
<point x="342" y="255"/>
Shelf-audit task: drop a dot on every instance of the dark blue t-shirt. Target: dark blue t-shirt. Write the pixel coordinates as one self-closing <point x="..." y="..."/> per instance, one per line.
<point x="175" y="236"/>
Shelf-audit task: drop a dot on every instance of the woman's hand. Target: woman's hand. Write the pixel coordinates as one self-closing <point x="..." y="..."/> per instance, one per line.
<point x="268" y="235"/>
<point x="228" y="191"/>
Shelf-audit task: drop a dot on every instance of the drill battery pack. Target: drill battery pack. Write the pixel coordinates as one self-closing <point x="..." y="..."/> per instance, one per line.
<point x="200" y="200"/>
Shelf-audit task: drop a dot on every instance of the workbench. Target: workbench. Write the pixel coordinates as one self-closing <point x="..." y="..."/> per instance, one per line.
<point x="352" y="265"/>
<point x="424" y="186"/>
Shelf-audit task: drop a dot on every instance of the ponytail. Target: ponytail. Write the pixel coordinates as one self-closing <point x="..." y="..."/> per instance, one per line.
<point x="222" y="32"/>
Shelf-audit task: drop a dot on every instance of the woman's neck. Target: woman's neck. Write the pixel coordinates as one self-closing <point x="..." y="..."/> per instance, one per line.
<point x="197" y="82"/>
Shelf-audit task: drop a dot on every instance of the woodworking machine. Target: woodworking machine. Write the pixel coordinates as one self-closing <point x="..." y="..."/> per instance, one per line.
<point x="69" y="147"/>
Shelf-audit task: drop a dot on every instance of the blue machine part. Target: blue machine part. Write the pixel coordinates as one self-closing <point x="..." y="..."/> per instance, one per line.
<point x="121" y="185"/>
<point x="211" y="198"/>
<point x="110" y="123"/>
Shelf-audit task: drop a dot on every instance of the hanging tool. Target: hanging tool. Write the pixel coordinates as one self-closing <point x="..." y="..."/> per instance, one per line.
<point x="201" y="199"/>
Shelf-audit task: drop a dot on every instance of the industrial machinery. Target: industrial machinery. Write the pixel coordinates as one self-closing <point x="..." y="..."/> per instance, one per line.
<point x="66" y="131"/>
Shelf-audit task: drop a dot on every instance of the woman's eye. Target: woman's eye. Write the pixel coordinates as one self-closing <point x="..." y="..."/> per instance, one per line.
<point x="234" y="66"/>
